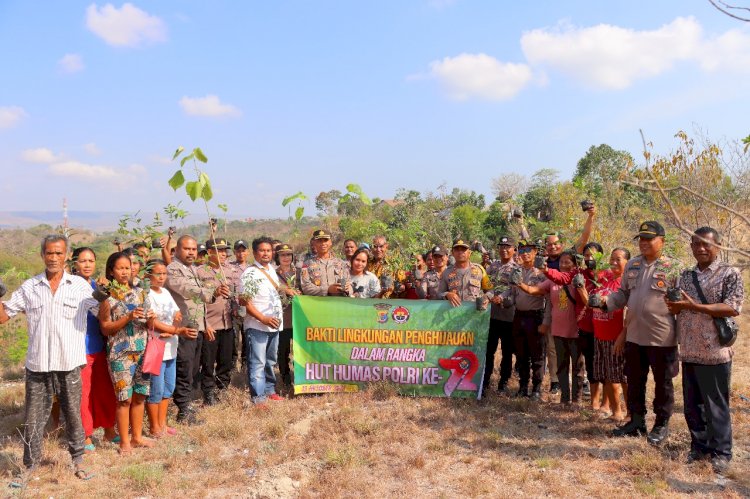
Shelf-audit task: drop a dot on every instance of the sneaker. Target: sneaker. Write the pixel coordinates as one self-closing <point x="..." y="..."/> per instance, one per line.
<point x="695" y="455"/>
<point x="554" y="388"/>
<point x="522" y="392"/>
<point x="586" y="388"/>
<point x="536" y="396"/>
<point x="188" y="417"/>
<point x="720" y="464"/>
<point x="658" y="434"/>
<point x="276" y="397"/>
<point x="210" y="400"/>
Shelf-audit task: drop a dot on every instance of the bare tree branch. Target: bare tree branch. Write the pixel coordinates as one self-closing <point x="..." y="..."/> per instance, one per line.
<point x="724" y="8"/>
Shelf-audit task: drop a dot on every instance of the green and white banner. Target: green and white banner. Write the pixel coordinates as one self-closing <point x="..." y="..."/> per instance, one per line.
<point x="426" y="347"/>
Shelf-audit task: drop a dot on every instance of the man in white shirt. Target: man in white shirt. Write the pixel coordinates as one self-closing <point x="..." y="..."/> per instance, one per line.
<point x="259" y="291"/>
<point x="56" y="304"/>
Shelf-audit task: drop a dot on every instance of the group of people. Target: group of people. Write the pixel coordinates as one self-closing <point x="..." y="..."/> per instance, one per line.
<point x="596" y="324"/>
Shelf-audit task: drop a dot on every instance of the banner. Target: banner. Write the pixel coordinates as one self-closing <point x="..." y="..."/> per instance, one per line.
<point x="426" y="347"/>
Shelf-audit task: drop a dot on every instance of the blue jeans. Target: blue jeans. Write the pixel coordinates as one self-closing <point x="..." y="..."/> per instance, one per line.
<point x="262" y="353"/>
<point x="162" y="386"/>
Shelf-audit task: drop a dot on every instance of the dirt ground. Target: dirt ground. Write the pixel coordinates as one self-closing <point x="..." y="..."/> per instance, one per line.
<point x="377" y="444"/>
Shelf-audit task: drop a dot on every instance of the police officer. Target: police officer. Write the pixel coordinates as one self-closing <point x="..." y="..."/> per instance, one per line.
<point x="427" y="287"/>
<point x="240" y="263"/>
<point x="464" y="281"/>
<point x="241" y="253"/>
<point x="501" y="314"/>
<point x="528" y="322"/>
<point x="323" y="274"/>
<point x="650" y="341"/>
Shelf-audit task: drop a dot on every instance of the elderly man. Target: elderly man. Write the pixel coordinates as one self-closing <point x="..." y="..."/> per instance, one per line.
<point x="378" y="265"/>
<point x="56" y="306"/>
<point x="650" y="339"/>
<point x="191" y="296"/>
<point x="711" y="289"/>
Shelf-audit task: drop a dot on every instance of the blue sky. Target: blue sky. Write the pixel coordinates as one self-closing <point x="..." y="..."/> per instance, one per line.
<point x="285" y="96"/>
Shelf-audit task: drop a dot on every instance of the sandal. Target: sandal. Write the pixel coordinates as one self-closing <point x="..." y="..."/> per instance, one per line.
<point x="171" y="431"/>
<point x="84" y="475"/>
<point x="89" y="448"/>
<point x="115" y="439"/>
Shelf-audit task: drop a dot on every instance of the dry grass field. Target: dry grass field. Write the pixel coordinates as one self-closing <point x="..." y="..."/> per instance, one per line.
<point x="378" y="444"/>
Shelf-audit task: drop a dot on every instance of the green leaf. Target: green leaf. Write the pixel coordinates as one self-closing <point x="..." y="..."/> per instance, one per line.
<point x="178" y="152"/>
<point x="356" y="189"/>
<point x="186" y="159"/>
<point x="300" y="195"/>
<point x="223" y="207"/>
<point x="193" y="190"/>
<point x="207" y="193"/>
<point x="204" y="180"/>
<point x="199" y="155"/>
<point x="177" y="180"/>
<point x="299" y="212"/>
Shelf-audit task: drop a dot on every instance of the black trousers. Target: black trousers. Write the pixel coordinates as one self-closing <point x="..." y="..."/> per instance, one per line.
<point x="531" y="347"/>
<point x="705" y="390"/>
<point x="285" y="349"/>
<point x="501" y="332"/>
<point x="217" y="362"/>
<point x="188" y="364"/>
<point x="40" y="389"/>
<point x="586" y="349"/>
<point x="568" y="352"/>
<point x="663" y="364"/>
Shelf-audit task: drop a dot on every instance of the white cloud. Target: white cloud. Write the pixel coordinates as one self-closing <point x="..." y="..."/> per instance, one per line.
<point x="209" y="105"/>
<point x="127" y="26"/>
<point x="10" y="116"/>
<point x="612" y="57"/>
<point x="112" y="177"/>
<point x="91" y="149"/>
<point x="71" y="63"/>
<point x="480" y="76"/>
<point x="40" y="155"/>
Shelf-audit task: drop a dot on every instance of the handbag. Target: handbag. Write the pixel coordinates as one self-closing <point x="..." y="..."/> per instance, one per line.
<point x="154" y="354"/>
<point x="725" y="326"/>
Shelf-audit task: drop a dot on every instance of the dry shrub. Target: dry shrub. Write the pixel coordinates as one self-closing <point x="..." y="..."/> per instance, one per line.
<point x="382" y="391"/>
<point x="143" y="476"/>
<point x="342" y="456"/>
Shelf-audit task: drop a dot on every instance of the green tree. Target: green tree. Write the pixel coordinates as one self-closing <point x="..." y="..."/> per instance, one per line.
<point x="601" y="165"/>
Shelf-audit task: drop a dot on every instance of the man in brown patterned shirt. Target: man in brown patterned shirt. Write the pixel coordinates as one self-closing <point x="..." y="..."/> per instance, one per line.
<point x="706" y="364"/>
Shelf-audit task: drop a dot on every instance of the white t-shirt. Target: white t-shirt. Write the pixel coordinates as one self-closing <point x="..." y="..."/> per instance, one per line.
<point x="265" y="298"/>
<point x="165" y="308"/>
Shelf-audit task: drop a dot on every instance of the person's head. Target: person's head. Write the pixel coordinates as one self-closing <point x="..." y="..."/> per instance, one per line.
<point x="118" y="267"/>
<point x="359" y="261"/>
<point x="704" y="244"/>
<point x="54" y="249"/>
<point x="553" y="244"/>
<point x="284" y="256"/>
<point x="350" y="246"/>
<point x="217" y="251"/>
<point x="321" y="242"/>
<point x="486" y="257"/>
<point x="202" y="254"/>
<point x="379" y="247"/>
<point x="84" y="262"/>
<point x="461" y="251"/>
<point x="135" y="261"/>
<point x="427" y="257"/>
<point x="567" y="261"/>
<point x="439" y="257"/>
<point x="651" y="239"/>
<point x="617" y="261"/>
<point x="142" y="249"/>
<point x="263" y="250"/>
<point x="157" y="272"/>
<point x="527" y="252"/>
<point x="419" y="260"/>
<point x="241" y="251"/>
<point x="590" y="249"/>
<point x="506" y="248"/>
<point x="186" y="249"/>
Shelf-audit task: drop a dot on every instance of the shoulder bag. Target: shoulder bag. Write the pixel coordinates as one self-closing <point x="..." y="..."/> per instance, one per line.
<point x="725" y="326"/>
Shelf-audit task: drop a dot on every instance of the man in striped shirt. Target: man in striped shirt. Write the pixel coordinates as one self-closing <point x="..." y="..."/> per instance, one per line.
<point x="55" y="304"/>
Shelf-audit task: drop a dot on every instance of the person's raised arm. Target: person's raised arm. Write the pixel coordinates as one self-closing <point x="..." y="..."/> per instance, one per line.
<point x="587" y="228"/>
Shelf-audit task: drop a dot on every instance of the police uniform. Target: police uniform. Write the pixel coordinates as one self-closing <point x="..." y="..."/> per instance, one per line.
<point x="318" y="274"/>
<point x="428" y="286"/>
<point x="650" y="339"/>
<point x="501" y="322"/>
<point x="468" y="283"/>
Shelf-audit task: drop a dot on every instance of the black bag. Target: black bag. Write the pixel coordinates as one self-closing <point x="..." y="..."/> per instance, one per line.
<point x="725" y="326"/>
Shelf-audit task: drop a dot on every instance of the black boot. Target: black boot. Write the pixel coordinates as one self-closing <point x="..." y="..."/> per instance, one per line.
<point x="523" y="391"/>
<point x="659" y="433"/>
<point x="634" y="428"/>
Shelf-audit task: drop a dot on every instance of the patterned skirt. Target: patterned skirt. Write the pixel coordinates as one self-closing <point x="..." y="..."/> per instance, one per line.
<point x="609" y="367"/>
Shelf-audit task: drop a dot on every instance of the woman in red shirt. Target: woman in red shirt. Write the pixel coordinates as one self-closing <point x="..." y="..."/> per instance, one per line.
<point x="609" y="336"/>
